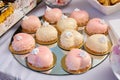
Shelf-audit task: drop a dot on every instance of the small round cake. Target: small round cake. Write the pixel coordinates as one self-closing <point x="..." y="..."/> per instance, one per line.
<point x="40" y="59"/>
<point x="52" y="15"/>
<point x="30" y="24"/>
<point x="70" y="39"/>
<point x="46" y="34"/>
<point x="81" y="16"/>
<point x="96" y="26"/>
<point x="66" y="23"/>
<point x="97" y="44"/>
<point x="22" y="43"/>
<point x="77" y="61"/>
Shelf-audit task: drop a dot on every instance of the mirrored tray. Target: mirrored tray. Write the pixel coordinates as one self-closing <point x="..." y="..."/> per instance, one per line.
<point x="59" y="53"/>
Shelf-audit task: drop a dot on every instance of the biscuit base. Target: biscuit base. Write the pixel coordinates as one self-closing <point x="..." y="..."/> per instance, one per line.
<point x="20" y="52"/>
<point x="29" y="32"/>
<point x="95" y="52"/>
<point x="38" y="68"/>
<point x="82" y="24"/>
<point x="46" y="42"/>
<point x="106" y="33"/>
<point x="67" y="49"/>
<point x="80" y="71"/>
<point x="43" y="68"/>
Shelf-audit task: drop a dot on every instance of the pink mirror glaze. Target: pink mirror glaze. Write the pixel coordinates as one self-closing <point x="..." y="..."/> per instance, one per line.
<point x="31" y="23"/>
<point x="77" y="59"/>
<point x="22" y="41"/>
<point x="53" y="15"/>
<point x="43" y="58"/>
<point x="96" y="25"/>
<point x="80" y="16"/>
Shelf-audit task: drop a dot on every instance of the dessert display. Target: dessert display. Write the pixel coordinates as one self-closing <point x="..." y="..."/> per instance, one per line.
<point x="96" y="26"/>
<point x="70" y="39"/>
<point x="77" y="61"/>
<point x="30" y="24"/>
<point x="6" y="9"/>
<point x="57" y="3"/>
<point x="22" y="43"/>
<point x="97" y="44"/>
<point x="11" y="11"/>
<point x="80" y="16"/>
<point x="66" y="23"/>
<point x="46" y="34"/>
<point x="40" y="59"/>
<point x="108" y="2"/>
<point x="55" y="47"/>
<point x="52" y="15"/>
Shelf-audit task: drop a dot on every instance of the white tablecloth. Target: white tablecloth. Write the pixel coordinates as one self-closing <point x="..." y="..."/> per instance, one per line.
<point x="9" y="65"/>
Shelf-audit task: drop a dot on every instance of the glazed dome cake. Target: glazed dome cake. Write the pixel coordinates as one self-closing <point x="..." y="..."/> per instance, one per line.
<point x="40" y="59"/>
<point x="81" y="16"/>
<point x="46" y="34"/>
<point x="77" y="61"/>
<point x="97" y="44"/>
<point x="52" y="15"/>
<point x="22" y="43"/>
<point x="70" y="39"/>
<point x="30" y="24"/>
<point x="66" y="23"/>
<point x="96" y="26"/>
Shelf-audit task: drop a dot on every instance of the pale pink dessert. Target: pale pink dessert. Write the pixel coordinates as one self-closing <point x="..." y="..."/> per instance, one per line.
<point x="22" y="43"/>
<point x="96" y="26"/>
<point x="80" y="16"/>
<point x="30" y="24"/>
<point x="40" y="59"/>
<point x="52" y="15"/>
<point x="77" y="61"/>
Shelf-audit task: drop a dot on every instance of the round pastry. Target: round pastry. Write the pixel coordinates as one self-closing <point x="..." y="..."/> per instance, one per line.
<point x="52" y="15"/>
<point x="97" y="44"/>
<point x="80" y="16"/>
<point x="46" y="34"/>
<point x="66" y="23"/>
<point x="77" y="61"/>
<point x="70" y="39"/>
<point x="30" y="24"/>
<point x="40" y="59"/>
<point x="96" y="26"/>
<point x="22" y="43"/>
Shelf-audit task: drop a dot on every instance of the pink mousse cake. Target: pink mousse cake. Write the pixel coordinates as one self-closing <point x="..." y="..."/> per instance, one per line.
<point x="30" y="24"/>
<point x="40" y="59"/>
<point x="80" y="16"/>
<point x="96" y="26"/>
<point x="77" y="61"/>
<point x="22" y="43"/>
<point x="52" y="15"/>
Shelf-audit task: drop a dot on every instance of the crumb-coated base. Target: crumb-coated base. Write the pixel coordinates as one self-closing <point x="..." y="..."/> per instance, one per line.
<point x="97" y="53"/>
<point x="46" y="42"/>
<point x="21" y="52"/>
<point x="106" y="33"/>
<point x="80" y="71"/>
<point x="69" y="48"/>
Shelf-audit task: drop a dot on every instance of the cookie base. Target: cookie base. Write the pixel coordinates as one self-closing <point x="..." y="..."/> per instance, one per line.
<point x="20" y="52"/>
<point x="46" y="42"/>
